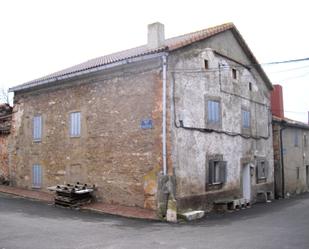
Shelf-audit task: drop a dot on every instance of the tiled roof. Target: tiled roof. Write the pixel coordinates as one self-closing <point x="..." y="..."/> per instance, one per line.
<point x="169" y="45"/>
<point x="290" y="122"/>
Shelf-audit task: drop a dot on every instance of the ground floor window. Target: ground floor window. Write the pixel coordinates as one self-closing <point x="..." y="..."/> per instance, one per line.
<point x="261" y="170"/>
<point x="216" y="172"/>
<point x="36" y="176"/>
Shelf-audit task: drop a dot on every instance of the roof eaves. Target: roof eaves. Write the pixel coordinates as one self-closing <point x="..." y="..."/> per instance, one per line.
<point x="114" y="63"/>
<point x="290" y="123"/>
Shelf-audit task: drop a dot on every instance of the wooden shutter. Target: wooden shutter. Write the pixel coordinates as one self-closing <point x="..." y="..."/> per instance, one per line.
<point x="211" y="166"/>
<point x="266" y="168"/>
<point x="258" y="170"/>
<point x="223" y="170"/>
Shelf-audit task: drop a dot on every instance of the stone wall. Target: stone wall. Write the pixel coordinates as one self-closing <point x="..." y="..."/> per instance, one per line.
<point x="5" y="128"/>
<point x="113" y="151"/>
<point x="190" y="86"/>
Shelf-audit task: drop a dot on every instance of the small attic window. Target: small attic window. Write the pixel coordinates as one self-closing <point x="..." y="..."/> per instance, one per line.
<point x="234" y="74"/>
<point x="250" y="86"/>
<point x="206" y="64"/>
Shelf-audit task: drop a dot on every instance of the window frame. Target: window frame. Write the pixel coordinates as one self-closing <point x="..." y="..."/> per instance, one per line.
<point x="206" y="64"/>
<point x="297" y="173"/>
<point x="213" y="181"/>
<point x="72" y="121"/>
<point x="262" y="165"/>
<point x="37" y="131"/>
<point x="213" y="124"/>
<point x="244" y="118"/>
<point x="235" y="74"/>
<point x="36" y="181"/>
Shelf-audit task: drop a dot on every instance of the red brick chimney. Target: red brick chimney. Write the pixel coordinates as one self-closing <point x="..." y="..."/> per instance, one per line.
<point x="277" y="101"/>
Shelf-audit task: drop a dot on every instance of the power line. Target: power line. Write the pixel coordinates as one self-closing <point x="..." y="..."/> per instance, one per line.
<point x="295" y="77"/>
<point x="288" y="70"/>
<point x="222" y="66"/>
<point x="286" y="61"/>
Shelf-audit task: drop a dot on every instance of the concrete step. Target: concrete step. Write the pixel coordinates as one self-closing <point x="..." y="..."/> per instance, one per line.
<point x="193" y="215"/>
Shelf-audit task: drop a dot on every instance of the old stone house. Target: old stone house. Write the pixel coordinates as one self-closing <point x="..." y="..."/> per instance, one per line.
<point x="5" y="128"/>
<point x="291" y="150"/>
<point x="182" y="122"/>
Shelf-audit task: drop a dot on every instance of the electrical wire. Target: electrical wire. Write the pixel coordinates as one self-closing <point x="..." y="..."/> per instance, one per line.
<point x="289" y="70"/>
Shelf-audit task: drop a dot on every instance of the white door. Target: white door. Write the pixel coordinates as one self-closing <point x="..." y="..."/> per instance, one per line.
<point x="246" y="182"/>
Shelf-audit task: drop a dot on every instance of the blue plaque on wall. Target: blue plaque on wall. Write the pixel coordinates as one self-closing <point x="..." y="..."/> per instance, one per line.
<point x="146" y="124"/>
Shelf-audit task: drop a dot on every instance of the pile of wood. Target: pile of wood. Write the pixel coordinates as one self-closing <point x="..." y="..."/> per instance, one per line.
<point x="72" y="195"/>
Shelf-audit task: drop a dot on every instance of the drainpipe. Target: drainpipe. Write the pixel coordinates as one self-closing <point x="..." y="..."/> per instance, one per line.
<point x="282" y="162"/>
<point x="164" y="73"/>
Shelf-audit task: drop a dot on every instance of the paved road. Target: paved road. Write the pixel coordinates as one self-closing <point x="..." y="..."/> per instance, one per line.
<point x="24" y="224"/>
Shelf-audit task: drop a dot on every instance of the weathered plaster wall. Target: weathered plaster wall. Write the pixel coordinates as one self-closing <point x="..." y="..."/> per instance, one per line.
<point x="295" y="157"/>
<point x="113" y="152"/>
<point x="190" y="86"/>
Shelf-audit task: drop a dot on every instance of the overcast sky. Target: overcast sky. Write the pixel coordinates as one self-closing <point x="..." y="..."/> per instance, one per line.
<point x="41" y="37"/>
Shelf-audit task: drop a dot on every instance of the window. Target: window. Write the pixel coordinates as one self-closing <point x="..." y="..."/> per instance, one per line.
<point x="297" y="173"/>
<point x="295" y="134"/>
<point x="250" y="86"/>
<point x="36" y="176"/>
<point x="245" y="119"/>
<point x="305" y="140"/>
<point x="75" y="125"/>
<point x="234" y="74"/>
<point x="37" y="128"/>
<point x="216" y="172"/>
<point x="213" y="108"/>
<point x="261" y="170"/>
<point x="206" y="64"/>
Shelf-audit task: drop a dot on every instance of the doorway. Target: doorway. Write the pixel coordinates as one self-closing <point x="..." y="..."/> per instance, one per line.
<point x="246" y="182"/>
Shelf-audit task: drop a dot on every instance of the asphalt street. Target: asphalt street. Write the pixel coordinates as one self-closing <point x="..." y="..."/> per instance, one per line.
<point x="282" y="224"/>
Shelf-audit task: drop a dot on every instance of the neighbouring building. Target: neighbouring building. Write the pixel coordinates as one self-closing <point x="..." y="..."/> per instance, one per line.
<point x="291" y="150"/>
<point x="5" y="128"/>
<point x="175" y="124"/>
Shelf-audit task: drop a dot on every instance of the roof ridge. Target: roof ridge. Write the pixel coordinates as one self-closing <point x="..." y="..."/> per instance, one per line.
<point x="171" y="44"/>
<point x="224" y="25"/>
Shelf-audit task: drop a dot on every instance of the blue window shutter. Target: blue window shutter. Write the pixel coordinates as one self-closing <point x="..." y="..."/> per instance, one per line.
<point x="37" y="128"/>
<point x="217" y="109"/>
<point x="245" y="118"/>
<point x="209" y="111"/>
<point x="36" y="176"/>
<point x="75" y="124"/>
<point x="213" y="115"/>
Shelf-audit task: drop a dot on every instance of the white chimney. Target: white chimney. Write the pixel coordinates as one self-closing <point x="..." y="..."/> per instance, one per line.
<point x="155" y="35"/>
